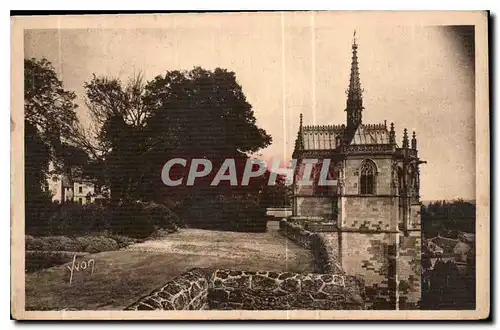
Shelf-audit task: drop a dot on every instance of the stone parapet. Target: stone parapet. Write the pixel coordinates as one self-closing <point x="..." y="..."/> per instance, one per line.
<point x="224" y="289"/>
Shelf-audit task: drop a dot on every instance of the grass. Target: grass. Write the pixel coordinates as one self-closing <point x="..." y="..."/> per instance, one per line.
<point x="121" y="277"/>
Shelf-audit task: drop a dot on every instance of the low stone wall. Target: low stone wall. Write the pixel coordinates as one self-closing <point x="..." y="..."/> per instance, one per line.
<point x="297" y="233"/>
<point x="242" y="290"/>
<point x="323" y="246"/>
<point x="186" y="292"/>
<point x="304" y="220"/>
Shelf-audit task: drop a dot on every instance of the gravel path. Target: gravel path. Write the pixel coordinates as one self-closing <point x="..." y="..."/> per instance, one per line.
<point x="121" y="277"/>
<point x="265" y="246"/>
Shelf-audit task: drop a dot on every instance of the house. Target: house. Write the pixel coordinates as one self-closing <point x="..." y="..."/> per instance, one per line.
<point x="74" y="189"/>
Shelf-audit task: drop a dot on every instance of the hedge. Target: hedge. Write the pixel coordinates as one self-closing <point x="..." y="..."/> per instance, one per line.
<point x="89" y="244"/>
<point x="224" y="213"/>
<point x="134" y="219"/>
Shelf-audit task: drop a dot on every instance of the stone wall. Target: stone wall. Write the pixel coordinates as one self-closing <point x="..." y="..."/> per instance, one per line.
<point x="414" y="223"/>
<point x="296" y="233"/>
<point x="372" y="256"/>
<point x="242" y="290"/>
<point x="383" y="178"/>
<point x="315" y="206"/>
<point x="188" y="291"/>
<point x="223" y="289"/>
<point x="388" y="262"/>
<point x="373" y="213"/>
<point x="323" y="245"/>
<point x="409" y="270"/>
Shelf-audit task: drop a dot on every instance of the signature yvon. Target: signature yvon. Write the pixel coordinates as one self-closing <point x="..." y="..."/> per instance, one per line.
<point x="80" y="266"/>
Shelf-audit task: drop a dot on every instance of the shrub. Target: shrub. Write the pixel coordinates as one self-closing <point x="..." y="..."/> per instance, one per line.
<point x="136" y="220"/>
<point x="73" y="219"/>
<point x="38" y="210"/>
<point x="67" y="220"/>
<point x="96" y="217"/>
<point x="36" y="244"/>
<point x="90" y="244"/>
<point x="132" y="220"/>
<point x="121" y="240"/>
<point x="62" y="243"/>
<point x="52" y="243"/>
<point x="95" y="244"/>
<point x="162" y="216"/>
<point x="225" y="213"/>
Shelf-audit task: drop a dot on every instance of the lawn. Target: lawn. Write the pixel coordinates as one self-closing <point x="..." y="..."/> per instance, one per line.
<point x="121" y="277"/>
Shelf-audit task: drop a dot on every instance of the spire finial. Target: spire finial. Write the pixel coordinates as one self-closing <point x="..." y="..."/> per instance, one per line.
<point x="299" y="142"/>
<point x="405" y="138"/>
<point x="414" y="141"/>
<point x="392" y="135"/>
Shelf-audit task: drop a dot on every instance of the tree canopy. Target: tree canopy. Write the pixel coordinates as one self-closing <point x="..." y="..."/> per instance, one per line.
<point x="139" y="126"/>
<point x="49" y="122"/>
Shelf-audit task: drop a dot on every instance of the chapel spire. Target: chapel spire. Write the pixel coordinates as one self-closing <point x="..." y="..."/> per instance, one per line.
<point x="354" y="92"/>
<point x="299" y="141"/>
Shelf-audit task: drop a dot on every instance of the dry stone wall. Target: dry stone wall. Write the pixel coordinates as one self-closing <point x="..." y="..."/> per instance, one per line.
<point x="323" y="245"/>
<point x="242" y="290"/>
<point x="186" y="292"/>
<point x="283" y="291"/>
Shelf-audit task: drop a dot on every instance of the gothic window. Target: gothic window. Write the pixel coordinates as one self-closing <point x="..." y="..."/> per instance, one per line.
<point x="367" y="178"/>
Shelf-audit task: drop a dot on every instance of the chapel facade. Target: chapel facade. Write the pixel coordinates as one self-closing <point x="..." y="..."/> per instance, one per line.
<point x="373" y="210"/>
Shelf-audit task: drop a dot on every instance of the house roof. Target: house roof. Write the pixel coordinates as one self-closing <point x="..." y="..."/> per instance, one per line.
<point x="447" y="244"/>
<point x="66" y="182"/>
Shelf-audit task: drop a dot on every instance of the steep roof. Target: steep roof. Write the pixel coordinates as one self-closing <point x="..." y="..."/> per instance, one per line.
<point x="371" y="134"/>
<point x="325" y="137"/>
<point x="321" y="137"/>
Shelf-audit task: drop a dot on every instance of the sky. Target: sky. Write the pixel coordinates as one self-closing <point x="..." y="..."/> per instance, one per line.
<point x="419" y="77"/>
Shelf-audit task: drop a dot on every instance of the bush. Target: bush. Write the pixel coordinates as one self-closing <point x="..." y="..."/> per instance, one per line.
<point x="97" y="217"/>
<point x="136" y="220"/>
<point x="90" y="244"/>
<point x="240" y="213"/>
<point x="52" y="243"/>
<point x="62" y="243"/>
<point x="95" y="244"/>
<point x="73" y="219"/>
<point x="132" y="220"/>
<point x="162" y="216"/>
<point x="122" y="241"/>
<point x="36" y="244"/>
<point x="67" y="220"/>
<point x="38" y="210"/>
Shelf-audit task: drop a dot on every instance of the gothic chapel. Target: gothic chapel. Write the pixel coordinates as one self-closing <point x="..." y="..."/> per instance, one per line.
<point x="373" y="212"/>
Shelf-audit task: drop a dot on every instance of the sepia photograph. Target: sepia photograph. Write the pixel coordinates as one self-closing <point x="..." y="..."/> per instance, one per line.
<point x="309" y="165"/>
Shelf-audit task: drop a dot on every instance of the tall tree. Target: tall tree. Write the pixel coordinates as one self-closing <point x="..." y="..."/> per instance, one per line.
<point x="200" y="114"/>
<point x="115" y="138"/>
<point x="48" y="107"/>
<point x="49" y="118"/>
<point x="190" y="114"/>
